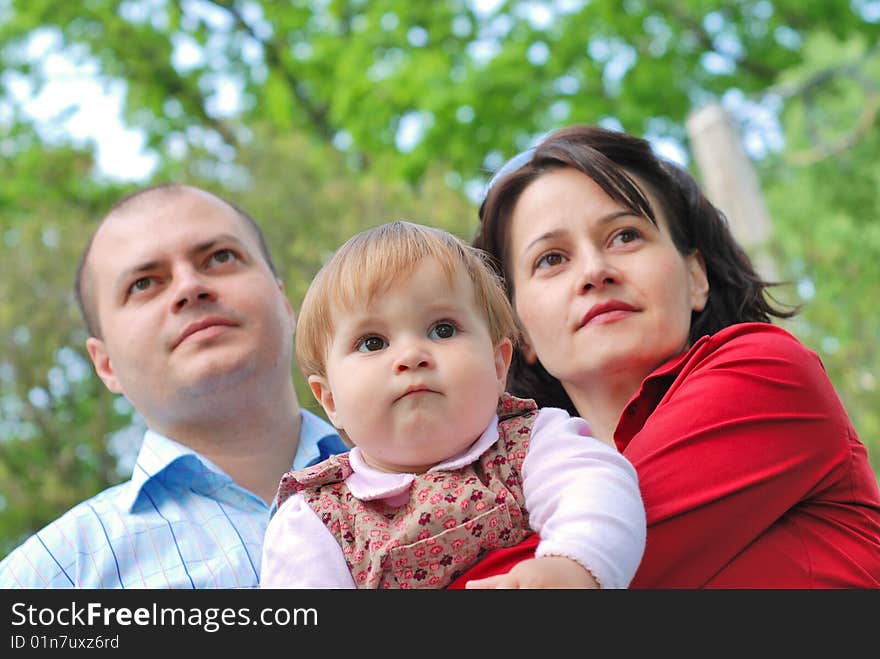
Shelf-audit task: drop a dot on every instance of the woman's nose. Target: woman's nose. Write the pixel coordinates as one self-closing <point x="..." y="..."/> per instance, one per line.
<point x="596" y="271"/>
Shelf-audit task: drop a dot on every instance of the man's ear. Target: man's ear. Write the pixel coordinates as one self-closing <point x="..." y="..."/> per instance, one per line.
<point x="321" y="390"/>
<point x="290" y="312"/>
<point x="103" y="366"/>
<point x="503" y="355"/>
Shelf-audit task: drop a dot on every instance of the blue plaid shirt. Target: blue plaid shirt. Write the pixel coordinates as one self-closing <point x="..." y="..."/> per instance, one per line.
<point x="180" y="522"/>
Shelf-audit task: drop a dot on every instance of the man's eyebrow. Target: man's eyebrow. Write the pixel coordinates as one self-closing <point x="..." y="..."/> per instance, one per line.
<point x="146" y="266"/>
<point x="130" y="273"/>
<point x="205" y="245"/>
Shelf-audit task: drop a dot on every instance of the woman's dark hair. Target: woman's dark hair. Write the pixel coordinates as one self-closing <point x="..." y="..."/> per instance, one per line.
<point x="615" y="161"/>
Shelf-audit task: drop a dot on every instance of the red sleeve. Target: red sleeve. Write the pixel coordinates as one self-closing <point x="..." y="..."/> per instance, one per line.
<point x="498" y="561"/>
<point x="750" y="427"/>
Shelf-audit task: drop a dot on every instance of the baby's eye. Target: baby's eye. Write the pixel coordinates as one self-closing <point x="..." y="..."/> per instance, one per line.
<point x="443" y="330"/>
<point x="549" y="260"/>
<point x="223" y="256"/>
<point x="371" y="344"/>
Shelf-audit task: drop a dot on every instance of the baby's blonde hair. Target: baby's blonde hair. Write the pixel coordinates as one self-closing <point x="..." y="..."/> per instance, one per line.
<point x="373" y="261"/>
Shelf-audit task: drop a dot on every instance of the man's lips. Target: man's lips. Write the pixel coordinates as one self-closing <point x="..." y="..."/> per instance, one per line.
<point x="201" y="325"/>
<point x="607" y="311"/>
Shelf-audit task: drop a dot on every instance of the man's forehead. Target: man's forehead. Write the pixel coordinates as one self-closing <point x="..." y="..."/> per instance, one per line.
<point x="175" y="212"/>
<point x="153" y="225"/>
<point x="179" y="204"/>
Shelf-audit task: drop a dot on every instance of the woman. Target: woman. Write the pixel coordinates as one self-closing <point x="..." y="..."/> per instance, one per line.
<point x="644" y="316"/>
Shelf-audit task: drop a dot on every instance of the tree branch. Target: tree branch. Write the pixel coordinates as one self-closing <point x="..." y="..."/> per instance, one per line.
<point x="316" y="113"/>
<point x="706" y="41"/>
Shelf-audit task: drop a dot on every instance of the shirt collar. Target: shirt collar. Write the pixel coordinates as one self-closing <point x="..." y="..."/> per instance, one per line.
<point x="318" y="440"/>
<point x="651" y="392"/>
<point x="674" y="365"/>
<point x="160" y="455"/>
<point x="367" y="483"/>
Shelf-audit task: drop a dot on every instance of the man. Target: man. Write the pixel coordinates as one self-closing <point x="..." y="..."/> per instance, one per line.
<point x="188" y="319"/>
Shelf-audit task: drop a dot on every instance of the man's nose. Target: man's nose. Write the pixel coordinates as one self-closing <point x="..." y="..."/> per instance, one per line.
<point x="191" y="286"/>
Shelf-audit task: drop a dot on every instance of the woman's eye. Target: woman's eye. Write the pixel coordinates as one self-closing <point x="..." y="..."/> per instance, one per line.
<point x="549" y="260"/>
<point x="626" y="236"/>
<point x="443" y="331"/>
<point x="223" y="256"/>
<point x="370" y="344"/>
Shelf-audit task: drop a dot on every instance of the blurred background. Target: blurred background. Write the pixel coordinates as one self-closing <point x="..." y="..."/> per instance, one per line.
<point x="324" y="117"/>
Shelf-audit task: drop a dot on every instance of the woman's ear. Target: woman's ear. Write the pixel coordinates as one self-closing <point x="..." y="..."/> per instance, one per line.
<point x="698" y="281"/>
<point x="527" y="352"/>
<point x="524" y="345"/>
<point x="503" y="355"/>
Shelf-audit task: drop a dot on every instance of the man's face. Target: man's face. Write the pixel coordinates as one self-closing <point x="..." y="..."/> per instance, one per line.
<point x="188" y="308"/>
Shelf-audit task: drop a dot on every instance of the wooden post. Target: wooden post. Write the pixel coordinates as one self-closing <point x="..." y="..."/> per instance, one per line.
<point x="731" y="183"/>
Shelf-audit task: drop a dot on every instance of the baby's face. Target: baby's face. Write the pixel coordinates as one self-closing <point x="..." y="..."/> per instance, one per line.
<point x="413" y="377"/>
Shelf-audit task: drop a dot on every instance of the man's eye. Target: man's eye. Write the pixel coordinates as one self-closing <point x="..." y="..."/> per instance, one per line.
<point x="443" y="331"/>
<point x="371" y="344"/>
<point x="140" y="285"/>
<point x="223" y="256"/>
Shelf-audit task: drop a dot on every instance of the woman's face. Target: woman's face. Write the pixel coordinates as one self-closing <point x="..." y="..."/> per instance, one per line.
<point x="601" y="292"/>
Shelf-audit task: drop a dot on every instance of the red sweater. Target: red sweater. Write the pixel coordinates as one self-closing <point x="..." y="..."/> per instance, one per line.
<point x="750" y="469"/>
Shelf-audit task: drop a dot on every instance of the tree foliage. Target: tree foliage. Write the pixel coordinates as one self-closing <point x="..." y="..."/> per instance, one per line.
<point x="480" y="83"/>
<point x="56" y="418"/>
<point x="325" y="117"/>
<point x="824" y="195"/>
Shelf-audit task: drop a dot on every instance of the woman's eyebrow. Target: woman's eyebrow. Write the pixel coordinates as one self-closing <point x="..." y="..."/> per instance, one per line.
<point x="548" y="235"/>
<point x="605" y="219"/>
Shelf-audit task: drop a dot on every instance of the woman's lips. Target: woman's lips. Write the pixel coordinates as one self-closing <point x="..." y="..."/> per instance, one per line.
<point x="607" y="312"/>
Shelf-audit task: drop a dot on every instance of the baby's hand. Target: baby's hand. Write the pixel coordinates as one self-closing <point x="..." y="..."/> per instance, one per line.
<point x="543" y="572"/>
